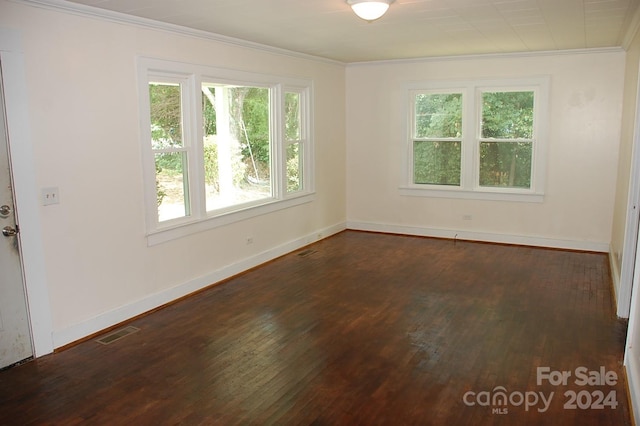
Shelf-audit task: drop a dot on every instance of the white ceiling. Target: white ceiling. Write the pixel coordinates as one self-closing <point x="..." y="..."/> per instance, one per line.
<point x="410" y="29"/>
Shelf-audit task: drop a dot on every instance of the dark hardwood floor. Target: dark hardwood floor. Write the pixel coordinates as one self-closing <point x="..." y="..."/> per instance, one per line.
<point x="358" y="329"/>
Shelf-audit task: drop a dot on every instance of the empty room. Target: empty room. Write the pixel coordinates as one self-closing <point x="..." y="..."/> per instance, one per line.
<point x="287" y="212"/>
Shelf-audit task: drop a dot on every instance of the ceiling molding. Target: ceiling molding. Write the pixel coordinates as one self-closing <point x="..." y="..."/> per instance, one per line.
<point x="631" y="32"/>
<point x="121" y="18"/>
<point x="594" y="50"/>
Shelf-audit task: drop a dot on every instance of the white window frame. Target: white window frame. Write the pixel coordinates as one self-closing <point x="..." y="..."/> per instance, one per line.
<point x="471" y="136"/>
<point x="191" y="77"/>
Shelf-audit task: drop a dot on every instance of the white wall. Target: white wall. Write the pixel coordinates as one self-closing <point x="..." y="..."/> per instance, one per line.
<point x="83" y="109"/>
<point x="585" y="107"/>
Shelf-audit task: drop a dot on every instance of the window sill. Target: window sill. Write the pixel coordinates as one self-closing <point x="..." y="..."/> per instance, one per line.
<point x="194" y="226"/>
<point x="491" y="195"/>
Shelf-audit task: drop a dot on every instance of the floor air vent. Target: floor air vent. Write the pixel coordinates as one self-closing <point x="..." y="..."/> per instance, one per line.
<point x="305" y="253"/>
<point x="117" y="335"/>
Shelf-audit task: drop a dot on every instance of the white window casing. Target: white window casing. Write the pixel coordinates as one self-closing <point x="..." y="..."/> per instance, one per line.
<point x="470" y="187"/>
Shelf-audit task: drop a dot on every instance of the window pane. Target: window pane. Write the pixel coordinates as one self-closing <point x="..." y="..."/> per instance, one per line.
<point x="436" y="162"/>
<point x="506" y="164"/>
<point x="237" y="153"/>
<point x="166" y="115"/>
<point x="294" y="174"/>
<point x="171" y="186"/>
<point x="507" y="115"/>
<point x="438" y="115"/>
<point x="292" y="116"/>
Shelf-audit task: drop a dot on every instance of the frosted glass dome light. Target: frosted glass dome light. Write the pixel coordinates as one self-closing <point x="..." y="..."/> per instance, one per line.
<point x="369" y="10"/>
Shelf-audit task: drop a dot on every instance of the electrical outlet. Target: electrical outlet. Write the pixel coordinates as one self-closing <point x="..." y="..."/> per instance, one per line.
<point x="50" y="196"/>
<point x="467" y="217"/>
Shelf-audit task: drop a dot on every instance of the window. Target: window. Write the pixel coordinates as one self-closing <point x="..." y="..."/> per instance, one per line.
<point x="168" y="148"/>
<point x="477" y="139"/>
<point x="506" y="139"/>
<point x="236" y="145"/>
<point x="294" y="138"/>
<point x="437" y="141"/>
<point x="221" y="145"/>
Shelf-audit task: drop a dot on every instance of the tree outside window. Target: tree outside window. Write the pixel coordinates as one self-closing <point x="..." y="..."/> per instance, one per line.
<point x="437" y="139"/>
<point x="506" y="140"/>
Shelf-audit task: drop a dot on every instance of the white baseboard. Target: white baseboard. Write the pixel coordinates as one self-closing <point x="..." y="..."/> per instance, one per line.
<point x="108" y="319"/>
<point x="480" y="236"/>
<point x="633" y="379"/>
<point x="615" y="277"/>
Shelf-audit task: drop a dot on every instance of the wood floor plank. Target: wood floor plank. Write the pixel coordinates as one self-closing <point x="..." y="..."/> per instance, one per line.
<point x="359" y="328"/>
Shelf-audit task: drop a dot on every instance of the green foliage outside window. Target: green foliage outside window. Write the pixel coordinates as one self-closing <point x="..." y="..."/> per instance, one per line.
<point x="506" y="116"/>
<point x="293" y="133"/>
<point x="438" y="116"/>
<point x="166" y="124"/>
<point x="505" y="164"/>
<point x="250" y="108"/>
<point x="166" y="133"/>
<point x="166" y="115"/>
<point x="294" y="176"/>
<point x="436" y="163"/>
<point x="292" y="116"/>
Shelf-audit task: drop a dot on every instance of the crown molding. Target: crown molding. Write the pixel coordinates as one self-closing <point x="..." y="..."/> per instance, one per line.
<point x="632" y="30"/>
<point x="122" y="18"/>
<point x="507" y="55"/>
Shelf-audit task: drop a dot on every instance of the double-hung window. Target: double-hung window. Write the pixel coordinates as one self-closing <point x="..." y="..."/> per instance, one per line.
<point x="477" y="139"/>
<point x="221" y="145"/>
<point x="437" y="138"/>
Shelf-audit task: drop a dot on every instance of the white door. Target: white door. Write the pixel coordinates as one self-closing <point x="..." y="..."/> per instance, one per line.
<point x="15" y="333"/>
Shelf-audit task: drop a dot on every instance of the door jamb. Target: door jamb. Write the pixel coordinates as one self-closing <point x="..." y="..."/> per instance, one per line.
<point x="630" y="245"/>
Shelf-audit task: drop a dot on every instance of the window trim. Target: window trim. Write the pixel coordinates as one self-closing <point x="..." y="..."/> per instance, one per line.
<point x="192" y="77"/>
<point x="470" y="162"/>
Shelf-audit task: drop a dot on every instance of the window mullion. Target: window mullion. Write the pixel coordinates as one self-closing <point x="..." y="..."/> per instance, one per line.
<point x="278" y="144"/>
<point x="190" y="132"/>
<point x="197" y="149"/>
<point x="169" y="150"/>
<point x="306" y="129"/>
<point x="470" y="126"/>
<point x="411" y="140"/>
<point x="505" y="140"/>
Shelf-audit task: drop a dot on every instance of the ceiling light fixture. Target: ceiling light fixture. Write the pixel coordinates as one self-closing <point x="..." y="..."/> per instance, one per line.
<point x="369" y="10"/>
